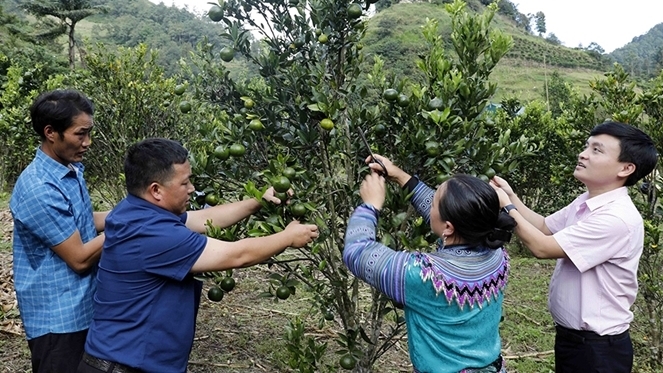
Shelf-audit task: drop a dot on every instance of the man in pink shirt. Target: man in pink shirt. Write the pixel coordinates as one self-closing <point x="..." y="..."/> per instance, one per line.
<point x="597" y="241"/>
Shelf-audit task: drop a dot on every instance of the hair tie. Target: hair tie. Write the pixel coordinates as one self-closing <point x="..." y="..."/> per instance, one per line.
<point x="499" y="234"/>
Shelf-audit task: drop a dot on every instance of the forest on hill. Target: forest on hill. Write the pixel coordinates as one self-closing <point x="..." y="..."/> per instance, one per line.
<point x="393" y="33"/>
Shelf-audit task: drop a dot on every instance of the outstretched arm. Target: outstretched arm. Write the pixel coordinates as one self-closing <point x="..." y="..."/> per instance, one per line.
<point x="221" y="255"/>
<point x="227" y="214"/>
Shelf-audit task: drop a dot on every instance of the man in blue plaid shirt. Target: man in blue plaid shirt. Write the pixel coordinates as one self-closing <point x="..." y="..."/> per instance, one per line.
<point x="56" y="241"/>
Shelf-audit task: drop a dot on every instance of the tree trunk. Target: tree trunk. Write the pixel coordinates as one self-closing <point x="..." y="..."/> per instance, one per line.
<point x="72" y="46"/>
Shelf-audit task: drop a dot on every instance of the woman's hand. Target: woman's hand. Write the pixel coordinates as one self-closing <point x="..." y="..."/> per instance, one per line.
<point x="395" y="173"/>
<point x="373" y="190"/>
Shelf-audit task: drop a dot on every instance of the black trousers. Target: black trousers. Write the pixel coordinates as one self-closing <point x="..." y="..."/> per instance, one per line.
<point x="578" y="351"/>
<point x="57" y="353"/>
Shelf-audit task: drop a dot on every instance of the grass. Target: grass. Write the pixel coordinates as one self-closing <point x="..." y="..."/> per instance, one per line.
<point x="526" y="80"/>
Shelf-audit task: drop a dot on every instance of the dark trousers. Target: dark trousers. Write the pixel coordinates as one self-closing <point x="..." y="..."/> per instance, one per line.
<point x="578" y="351"/>
<point x="57" y="353"/>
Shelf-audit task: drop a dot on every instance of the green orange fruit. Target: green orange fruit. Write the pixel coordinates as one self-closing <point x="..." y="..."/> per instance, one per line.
<point x="256" y="125"/>
<point x="215" y="294"/>
<point x="283" y="292"/>
<point x="221" y="152"/>
<point x="327" y="124"/>
<point x="237" y="150"/>
<point x="215" y="13"/>
<point x="185" y="107"/>
<point x="281" y="184"/>
<point x="227" y="54"/>
<point x="298" y="210"/>
<point x="179" y="89"/>
<point x="211" y="199"/>
<point x="227" y="284"/>
<point x="390" y="94"/>
<point x="347" y="362"/>
<point x="354" y="11"/>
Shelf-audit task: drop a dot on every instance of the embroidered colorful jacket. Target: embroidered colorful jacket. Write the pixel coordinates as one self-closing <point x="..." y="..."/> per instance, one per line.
<point x="452" y="298"/>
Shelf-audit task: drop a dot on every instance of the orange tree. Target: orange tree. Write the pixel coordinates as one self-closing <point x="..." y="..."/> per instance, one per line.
<point x="297" y="126"/>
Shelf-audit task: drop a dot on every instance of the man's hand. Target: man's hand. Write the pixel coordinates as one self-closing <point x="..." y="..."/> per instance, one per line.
<point x="302" y="234"/>
<point x="270" y="196"/>
<point x="504" y="198"/>
<point x="500" y="183"/>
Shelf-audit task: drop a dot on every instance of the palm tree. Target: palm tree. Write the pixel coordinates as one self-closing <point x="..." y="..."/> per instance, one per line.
<point x="68" y="13"/>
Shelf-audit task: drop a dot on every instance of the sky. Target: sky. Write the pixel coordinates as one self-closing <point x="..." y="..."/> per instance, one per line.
<point x="609" y="23"/>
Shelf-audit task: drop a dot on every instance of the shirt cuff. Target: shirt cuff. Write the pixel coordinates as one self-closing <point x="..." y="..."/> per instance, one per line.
<point x="411" y="184"/>
<point x="372" y="208"/>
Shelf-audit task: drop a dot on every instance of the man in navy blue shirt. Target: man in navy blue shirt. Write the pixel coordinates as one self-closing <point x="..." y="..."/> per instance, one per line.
<point x="147" y="298"/>
<point x="56" y="244"/>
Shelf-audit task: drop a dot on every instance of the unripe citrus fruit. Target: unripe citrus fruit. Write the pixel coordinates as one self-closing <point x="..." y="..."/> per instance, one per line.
<point x="227" y="284"/>
<point x="327" y="124"/>
<point x="185" y="107"/>
<point x="348" y="362"/>
<point x="179" y="89"/>
<point x="354" y="11"/>
<point x="298" y="210"/>
<point x="290" y="173"/>
<point x="211" y="199"/>
<point x="390" y="94"/>
<point x="281" y="184"/>
<point x="237" y="150"/>
<point x="215" y="13"/>
<point x="215" y="294"/>
<point x="227" y="54"/>
<point x="221" y="152"/>
<point x="256" y="125"/>
<point x="283" y="292"/>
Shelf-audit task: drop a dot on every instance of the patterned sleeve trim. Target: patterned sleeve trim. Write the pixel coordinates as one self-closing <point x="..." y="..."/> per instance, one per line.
<point x="422" y="200"/>
<point x="371" y="261"/>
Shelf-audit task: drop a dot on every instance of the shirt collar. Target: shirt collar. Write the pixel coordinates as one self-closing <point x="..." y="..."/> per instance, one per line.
<point x="56" y="168"/>
<point x="135" y="200"/>
<point x="604" y="198"/>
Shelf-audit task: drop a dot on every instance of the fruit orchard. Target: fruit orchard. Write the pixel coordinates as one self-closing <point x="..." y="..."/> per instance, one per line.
<point x="297" y="127"/>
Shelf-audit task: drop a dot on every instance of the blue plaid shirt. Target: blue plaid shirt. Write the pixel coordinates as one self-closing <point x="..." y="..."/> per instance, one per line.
<point x="49" y="203"/>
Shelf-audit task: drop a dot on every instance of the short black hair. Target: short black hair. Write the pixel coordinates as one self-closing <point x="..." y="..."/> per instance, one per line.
<point x="151" y="160"/>
<point x="635" y="147"/>
<point x="58" y="109"/>
<point x="473" y="207"/>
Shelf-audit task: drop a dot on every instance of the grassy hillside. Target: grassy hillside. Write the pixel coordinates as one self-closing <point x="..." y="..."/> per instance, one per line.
<point x="395" y="35"/>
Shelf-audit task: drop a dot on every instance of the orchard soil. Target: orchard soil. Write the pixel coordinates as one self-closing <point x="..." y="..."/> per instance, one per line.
<point x="244" y="332"/>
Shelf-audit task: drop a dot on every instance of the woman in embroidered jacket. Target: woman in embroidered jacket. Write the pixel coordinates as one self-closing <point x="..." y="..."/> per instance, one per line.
<point x="452" y="297"/>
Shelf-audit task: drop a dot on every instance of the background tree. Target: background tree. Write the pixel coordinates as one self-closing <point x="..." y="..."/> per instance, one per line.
<point x="553" y="39"/>
<point x="68" y="13"/>
<point x="540" y="20"/>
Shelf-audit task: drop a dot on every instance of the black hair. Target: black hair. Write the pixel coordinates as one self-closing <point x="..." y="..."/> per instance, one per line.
<point x="58" y="109"/>
<point x="635" y="147"/>
<point x="473" y="207"/>
<point x="151" y="160"/>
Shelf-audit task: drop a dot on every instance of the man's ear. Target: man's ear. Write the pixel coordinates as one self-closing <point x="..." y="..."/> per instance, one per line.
<point x="627" y="170"/>
<point x="50" y="133"/>
<point x="155" y="191"/>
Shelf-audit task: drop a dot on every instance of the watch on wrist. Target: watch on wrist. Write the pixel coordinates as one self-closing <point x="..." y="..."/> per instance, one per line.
<point x="508" y="208"/>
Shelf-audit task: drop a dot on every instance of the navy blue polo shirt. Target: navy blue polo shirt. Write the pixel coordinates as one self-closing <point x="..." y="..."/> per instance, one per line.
<point x="146" y="301"/>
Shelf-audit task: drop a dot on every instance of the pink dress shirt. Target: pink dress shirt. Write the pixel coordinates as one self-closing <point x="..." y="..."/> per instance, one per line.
<point x="595" y="288"/>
